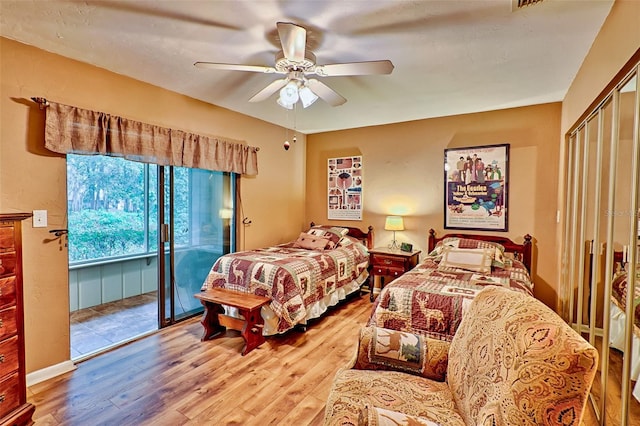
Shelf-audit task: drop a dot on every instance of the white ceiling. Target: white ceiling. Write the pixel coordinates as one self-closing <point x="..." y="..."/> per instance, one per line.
<point x="450" y="56"/>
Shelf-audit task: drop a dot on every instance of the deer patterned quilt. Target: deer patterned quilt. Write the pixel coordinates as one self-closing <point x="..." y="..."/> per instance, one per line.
<point x="299" y="282"/>
<point x="619" y="296"/>
<point x="431" y="301"/>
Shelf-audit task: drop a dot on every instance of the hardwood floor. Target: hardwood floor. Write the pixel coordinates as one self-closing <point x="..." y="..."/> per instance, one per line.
<point x="614" y="385"/>
<point x="172" y="378"/>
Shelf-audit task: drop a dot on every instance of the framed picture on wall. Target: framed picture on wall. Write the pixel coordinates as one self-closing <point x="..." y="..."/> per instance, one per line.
<point x="345" y="188"/>
<point x="476" y="188"/>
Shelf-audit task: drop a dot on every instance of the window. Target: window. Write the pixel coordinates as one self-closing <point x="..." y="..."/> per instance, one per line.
<point x="113" y="208"/>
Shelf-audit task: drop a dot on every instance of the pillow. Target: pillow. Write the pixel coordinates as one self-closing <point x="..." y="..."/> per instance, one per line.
<point x="384" y="349"/>
<point x="311" y="242"/>
<point x="497" y="258"/>
<point x="334" y="234"/>
<point x="376" y="416"/>
<point x="477" y="259"/>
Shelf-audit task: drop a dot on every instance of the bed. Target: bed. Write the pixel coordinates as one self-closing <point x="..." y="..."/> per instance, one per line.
<point x="432" y="298"/>
<point x="302" y="278"/>
<point x="618" y="319"/>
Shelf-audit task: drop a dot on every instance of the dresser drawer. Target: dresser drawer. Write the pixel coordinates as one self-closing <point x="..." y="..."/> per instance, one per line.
<point x="382" y="261"/>
<point x="394" y="272"/>
<point x="6" y="239"/>
<point x="7" y="263"/>
<point x="9" y="356"/>
<point x="9" y="394"/>
<point x="7" y="291"/>
<point x="8" y="324"/>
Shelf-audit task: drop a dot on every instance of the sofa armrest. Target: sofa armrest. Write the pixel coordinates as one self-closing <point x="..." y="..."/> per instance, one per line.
<point x="383" y="349"/>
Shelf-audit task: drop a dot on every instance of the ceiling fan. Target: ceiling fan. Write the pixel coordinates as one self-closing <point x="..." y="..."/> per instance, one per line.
<point x="297" y="63"/>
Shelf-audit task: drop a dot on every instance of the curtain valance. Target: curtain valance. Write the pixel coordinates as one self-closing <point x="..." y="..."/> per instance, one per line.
<point x="72" y="130"/>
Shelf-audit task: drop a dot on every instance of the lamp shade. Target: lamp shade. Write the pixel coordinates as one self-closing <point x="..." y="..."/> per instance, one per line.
<point x="394" y="223"/>
<point x="289" y="93"/>
<point x="307" y="96"/>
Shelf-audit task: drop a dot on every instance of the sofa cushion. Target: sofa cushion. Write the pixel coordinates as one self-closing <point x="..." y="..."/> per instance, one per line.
<point x="381" y="348"/>
<point x="380" y="417"/>
<point x="514" y="361"/>
<point x="353" y="390"/>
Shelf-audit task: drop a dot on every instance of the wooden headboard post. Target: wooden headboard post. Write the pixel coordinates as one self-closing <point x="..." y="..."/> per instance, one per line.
<point x="524" y="250"/>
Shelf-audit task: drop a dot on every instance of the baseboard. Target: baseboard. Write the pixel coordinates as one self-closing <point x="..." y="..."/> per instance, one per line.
<point x="49" y="372"/>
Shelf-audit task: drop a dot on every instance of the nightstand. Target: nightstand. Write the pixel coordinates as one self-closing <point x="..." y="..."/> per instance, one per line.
<point x="385" y="262"/>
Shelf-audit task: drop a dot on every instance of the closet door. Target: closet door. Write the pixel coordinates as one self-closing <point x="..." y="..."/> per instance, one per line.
<point x="624" y="237"/>
<point x="600" y="256"/>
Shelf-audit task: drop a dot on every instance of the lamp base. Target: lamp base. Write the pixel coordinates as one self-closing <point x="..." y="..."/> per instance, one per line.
<point x="394" y="243"/>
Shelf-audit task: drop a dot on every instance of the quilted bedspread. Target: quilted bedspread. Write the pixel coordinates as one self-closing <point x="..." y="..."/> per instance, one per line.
<point x="432" y="301"/>
<point x="293" y="278"/>
<point x="619" y="296"/>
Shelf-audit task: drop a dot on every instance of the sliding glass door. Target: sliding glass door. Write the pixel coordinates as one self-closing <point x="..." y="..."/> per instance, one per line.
<point x="196" y="224"/>
<point x="142" y="239"/>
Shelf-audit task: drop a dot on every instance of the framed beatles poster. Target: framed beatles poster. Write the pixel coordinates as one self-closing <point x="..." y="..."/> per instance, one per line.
<point x="345" y="188"/>
<point x="476" y="188"/>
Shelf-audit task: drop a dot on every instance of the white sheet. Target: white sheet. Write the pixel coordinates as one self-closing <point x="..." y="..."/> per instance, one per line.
<point x="616" y="340"/>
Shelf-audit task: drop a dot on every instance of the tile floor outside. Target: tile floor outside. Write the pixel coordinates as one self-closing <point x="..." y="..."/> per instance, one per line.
<point x="98" y="327"/>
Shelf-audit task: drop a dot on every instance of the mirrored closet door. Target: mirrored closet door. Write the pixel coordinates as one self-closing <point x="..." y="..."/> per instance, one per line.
<point x="600" y="255"/>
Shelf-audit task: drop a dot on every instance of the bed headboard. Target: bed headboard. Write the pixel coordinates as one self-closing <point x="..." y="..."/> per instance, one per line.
<point x="365" y="237"/>
<point x="522" y="251"/>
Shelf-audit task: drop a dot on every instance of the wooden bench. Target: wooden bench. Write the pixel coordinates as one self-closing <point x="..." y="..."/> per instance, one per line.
<point x="215" y="321"/>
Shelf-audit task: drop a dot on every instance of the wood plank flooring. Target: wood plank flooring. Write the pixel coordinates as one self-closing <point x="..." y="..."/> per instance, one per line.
<point x="614" y="386"/>
<point x="172" y="378"/>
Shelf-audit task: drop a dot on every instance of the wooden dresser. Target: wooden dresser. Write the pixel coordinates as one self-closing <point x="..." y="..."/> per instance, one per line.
<point x="14" y="409"/>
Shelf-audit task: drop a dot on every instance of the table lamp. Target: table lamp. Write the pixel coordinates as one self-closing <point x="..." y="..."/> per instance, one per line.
<point x="394" y="223"/>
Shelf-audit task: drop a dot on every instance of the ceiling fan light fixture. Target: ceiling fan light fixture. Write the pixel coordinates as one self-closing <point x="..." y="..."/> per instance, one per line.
<point x="284" y="104"/>
<point x="307" y="97"/>
<point x="289" y="93"/>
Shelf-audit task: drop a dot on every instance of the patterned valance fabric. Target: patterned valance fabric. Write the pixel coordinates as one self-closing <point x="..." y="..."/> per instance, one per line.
<point x="72" y="130"/>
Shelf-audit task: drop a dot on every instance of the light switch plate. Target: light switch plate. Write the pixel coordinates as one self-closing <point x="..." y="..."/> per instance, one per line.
<point x="39" y="218"/>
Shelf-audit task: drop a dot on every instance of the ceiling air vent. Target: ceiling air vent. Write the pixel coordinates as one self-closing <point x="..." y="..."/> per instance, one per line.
<point x="518" y="4"/>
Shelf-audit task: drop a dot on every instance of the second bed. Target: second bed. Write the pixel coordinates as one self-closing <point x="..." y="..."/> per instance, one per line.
<point x="432" y="298"/>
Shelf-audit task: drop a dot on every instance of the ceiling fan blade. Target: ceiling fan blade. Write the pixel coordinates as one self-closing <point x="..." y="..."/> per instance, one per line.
<point x="235" y="67"/>
<point x="293" y="39"/>
<point x="325" y="93"/>
<point x="355" y="68"/>
<point x="269" y="90"/>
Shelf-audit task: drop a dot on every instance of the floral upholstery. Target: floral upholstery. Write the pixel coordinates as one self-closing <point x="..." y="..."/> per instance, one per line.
<point x="512" y="361"/>
<point x="354" y="391"/>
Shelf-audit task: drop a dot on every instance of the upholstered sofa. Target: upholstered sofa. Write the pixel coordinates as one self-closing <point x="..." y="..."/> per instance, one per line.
<point x="512" y="361"/>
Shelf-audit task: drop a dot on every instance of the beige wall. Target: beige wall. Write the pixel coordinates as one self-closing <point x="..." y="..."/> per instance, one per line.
<point x="617" y="41"/>
<point x="33" y="178"/>
<point x="403" y="173"/>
